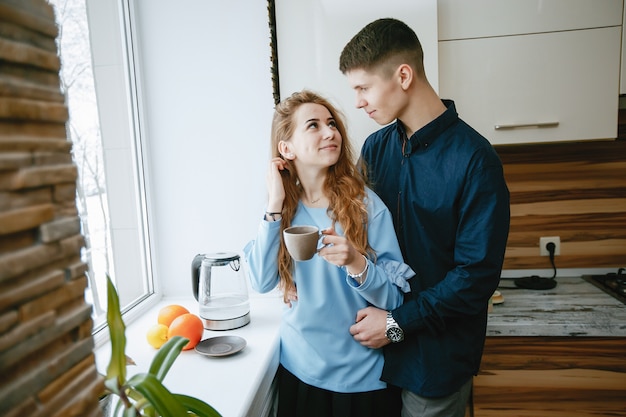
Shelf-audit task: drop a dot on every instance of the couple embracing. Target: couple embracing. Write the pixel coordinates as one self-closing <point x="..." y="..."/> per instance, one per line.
<point x="389" y="318"/>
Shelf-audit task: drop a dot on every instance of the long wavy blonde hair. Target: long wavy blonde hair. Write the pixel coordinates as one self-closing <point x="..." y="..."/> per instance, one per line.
<point x="344" y="186"/>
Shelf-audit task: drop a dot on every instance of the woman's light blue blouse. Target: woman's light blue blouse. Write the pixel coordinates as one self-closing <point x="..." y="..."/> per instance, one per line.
<point x="316" y="344"/>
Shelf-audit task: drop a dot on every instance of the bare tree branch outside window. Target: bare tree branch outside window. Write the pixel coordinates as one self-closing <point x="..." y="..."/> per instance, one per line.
<point x="83" y="130"/>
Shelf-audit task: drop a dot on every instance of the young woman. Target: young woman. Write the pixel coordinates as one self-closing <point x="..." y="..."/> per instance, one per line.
<point x="312" y="180"/>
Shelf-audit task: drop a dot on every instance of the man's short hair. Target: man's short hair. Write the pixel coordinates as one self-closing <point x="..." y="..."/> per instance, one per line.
<point x="382" y="46"/>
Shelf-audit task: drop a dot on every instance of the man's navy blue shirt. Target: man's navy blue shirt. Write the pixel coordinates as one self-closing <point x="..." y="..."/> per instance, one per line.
<point x="446" y="190"/>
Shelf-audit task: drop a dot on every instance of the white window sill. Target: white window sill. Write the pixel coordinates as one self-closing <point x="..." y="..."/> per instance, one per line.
<point x="236" y="385"/>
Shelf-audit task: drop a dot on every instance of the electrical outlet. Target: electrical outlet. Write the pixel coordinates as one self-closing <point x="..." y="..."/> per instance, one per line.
<point x="543" y="241"/>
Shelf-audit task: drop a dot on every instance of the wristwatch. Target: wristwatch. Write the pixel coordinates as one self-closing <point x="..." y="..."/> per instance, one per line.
<point x="393" y="332"/>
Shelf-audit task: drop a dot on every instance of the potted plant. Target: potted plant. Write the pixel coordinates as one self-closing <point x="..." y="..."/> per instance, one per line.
<point x="144" y="394"/>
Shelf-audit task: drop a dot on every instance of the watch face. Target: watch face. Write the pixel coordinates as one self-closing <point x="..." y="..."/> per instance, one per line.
<point x="395" y="334"/>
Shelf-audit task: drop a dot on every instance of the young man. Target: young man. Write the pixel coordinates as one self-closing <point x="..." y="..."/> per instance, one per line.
<point x="444" y="185"/>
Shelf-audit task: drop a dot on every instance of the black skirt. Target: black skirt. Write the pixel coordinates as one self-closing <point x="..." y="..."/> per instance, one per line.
<point x="297" y="399"/>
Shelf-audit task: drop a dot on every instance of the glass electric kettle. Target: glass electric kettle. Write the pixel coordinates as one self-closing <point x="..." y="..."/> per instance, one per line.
<point x="219" y="285"/>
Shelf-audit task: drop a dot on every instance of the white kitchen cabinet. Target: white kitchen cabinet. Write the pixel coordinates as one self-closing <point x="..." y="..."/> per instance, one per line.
<point x="622" y="78"/>
<point x="462" y="19"/>
<point x="533" y="71"/>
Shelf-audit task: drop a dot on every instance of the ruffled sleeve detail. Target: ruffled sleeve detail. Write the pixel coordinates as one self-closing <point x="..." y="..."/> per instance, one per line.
<point x="398" y="272"/>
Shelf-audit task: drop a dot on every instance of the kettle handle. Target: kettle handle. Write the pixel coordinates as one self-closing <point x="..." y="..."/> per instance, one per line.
<point x="195" y="274"/>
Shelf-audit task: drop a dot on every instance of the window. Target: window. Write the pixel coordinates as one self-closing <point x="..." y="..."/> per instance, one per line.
<point x="102" y="91"/>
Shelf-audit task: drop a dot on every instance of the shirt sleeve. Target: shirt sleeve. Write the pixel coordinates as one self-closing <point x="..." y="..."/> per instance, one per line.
<point x="387" y="276"/>
<point x="261" y="255"/>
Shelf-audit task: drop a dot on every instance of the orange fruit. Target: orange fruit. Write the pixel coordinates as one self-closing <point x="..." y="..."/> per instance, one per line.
<point x="189" y="326"/>
<point x="157" y="335"/>
<point x="168" y="313"/>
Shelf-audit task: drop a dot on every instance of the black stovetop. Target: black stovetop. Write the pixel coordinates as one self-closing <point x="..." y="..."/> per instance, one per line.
<point x="613" y="283"/>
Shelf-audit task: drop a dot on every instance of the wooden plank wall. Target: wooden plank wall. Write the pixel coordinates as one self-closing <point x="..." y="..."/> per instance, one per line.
<point x="47" y="364"/>
<point x="575" y="190"/>
<point x="551" y="377"/>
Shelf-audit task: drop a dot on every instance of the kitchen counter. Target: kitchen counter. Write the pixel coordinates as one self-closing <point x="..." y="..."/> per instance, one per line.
<point x="236" y="386"/>
<point x="574" y="307"/>
<point x="241" y="384"/>
<point x="557" y="352"/>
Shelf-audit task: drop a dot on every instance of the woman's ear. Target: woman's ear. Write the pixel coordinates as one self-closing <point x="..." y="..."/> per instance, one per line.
<point x="283" y="149"/>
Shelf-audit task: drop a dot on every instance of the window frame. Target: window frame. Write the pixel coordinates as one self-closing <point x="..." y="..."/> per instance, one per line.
<point x="117" y="81"/>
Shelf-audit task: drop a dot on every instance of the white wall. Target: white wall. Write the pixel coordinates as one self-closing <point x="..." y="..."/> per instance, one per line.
<point x="208" y="103"/>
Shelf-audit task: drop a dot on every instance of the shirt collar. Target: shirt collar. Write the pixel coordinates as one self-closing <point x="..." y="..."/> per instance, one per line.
<point x="425" y="136"/>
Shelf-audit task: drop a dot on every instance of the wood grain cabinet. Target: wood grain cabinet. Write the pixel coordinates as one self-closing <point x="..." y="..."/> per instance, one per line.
<point x="551" y="377"/>
<point x="525" y="71"/>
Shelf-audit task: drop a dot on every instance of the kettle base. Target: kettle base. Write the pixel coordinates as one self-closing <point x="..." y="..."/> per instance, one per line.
<point x="227" y="324"/>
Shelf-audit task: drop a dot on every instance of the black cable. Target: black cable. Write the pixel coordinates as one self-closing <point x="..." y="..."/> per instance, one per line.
<point x="535" y="282"/>
<point x="551" y="247"/>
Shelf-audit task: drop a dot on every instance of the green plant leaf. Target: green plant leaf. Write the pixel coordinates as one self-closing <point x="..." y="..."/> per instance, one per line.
<point x="165" y="357"/>
<point x="155" y="392"/>
<point x="118" y="407"/>
<point x="129" y="412"/>
<point x="117" y="365"/>
<point x="145" y="391"/>
<point x="198" y="407"/>
<point x="112" y="385"/>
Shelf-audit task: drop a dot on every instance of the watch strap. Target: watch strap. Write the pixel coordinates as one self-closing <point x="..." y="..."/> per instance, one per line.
<point x="393" y="332"/>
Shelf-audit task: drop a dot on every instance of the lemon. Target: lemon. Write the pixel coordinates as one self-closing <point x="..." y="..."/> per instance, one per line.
<point x="157" y="335"/>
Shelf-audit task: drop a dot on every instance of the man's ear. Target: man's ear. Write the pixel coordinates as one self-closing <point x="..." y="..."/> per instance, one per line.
<point x="283" y="149"/>
<point x="405" y="75"/>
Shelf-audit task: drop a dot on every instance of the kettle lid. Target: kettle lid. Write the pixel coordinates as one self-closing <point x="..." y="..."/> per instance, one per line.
<point x="221" y="259"/>
<point x="221" y="256"/>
